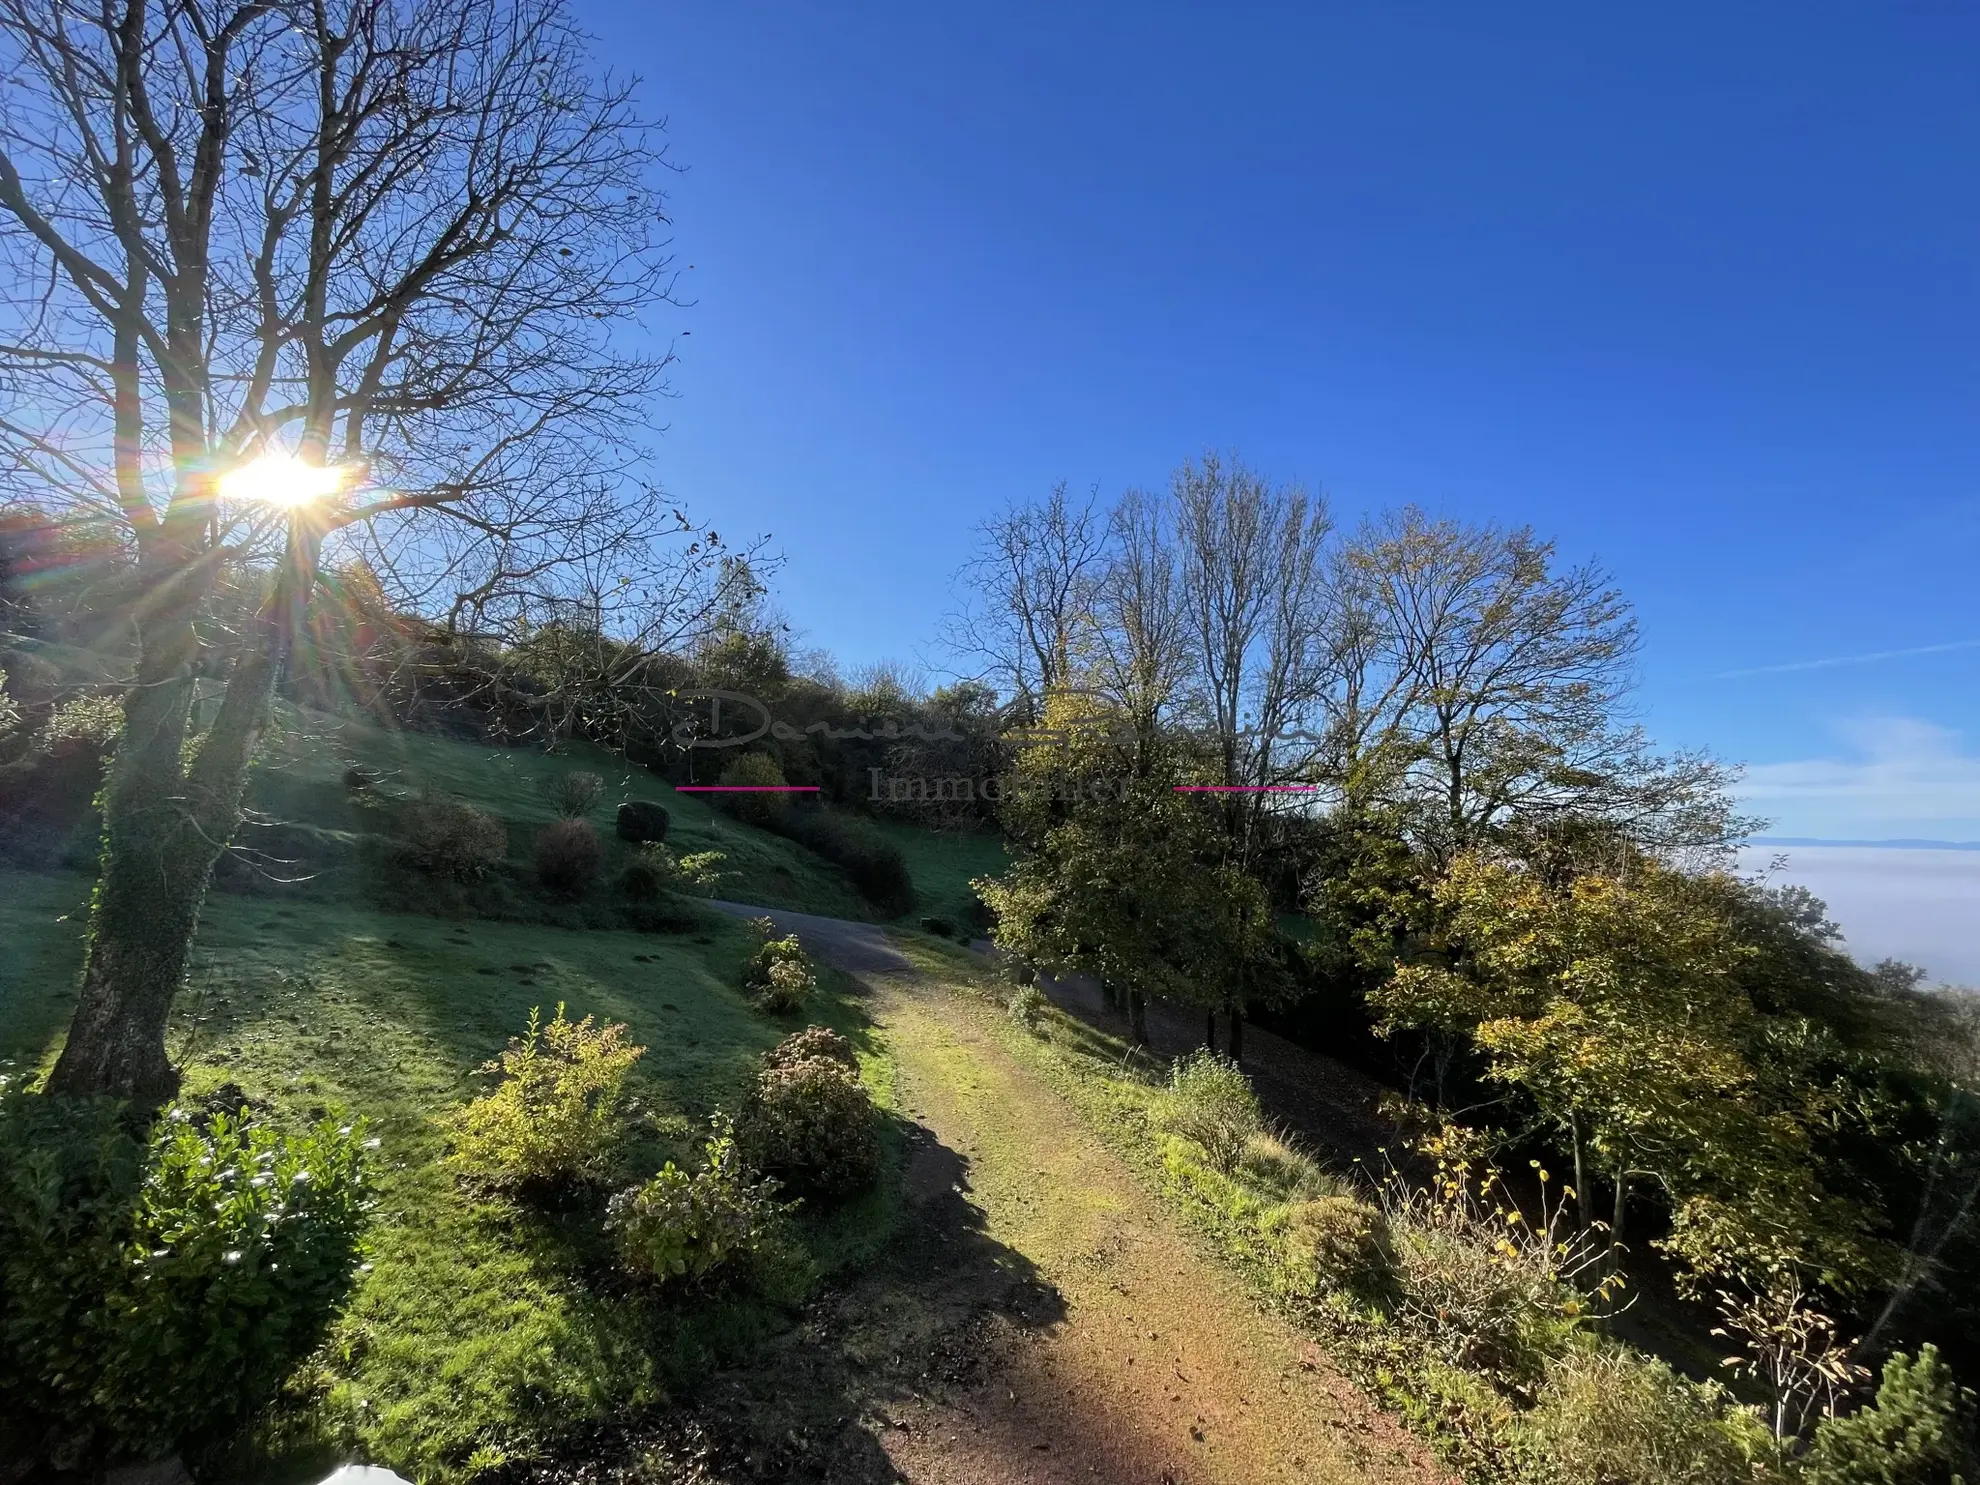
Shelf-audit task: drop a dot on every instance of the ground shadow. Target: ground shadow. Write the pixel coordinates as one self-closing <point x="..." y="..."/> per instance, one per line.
<point x="1326" y="1106"/>
<point x="813" y="1404"/>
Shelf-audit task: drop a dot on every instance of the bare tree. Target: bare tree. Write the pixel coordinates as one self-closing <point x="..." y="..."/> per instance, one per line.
<point x="1032" y="579"/>
<point x="397" y="239"/>
<point x="1497" y="678"/>
<point x="1255" y="602"/>
<point x="1141" y="656"/>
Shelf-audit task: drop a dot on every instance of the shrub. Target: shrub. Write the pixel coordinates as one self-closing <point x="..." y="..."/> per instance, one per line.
<point x="154" y="1292"/>
<point x="450" y="839"/>
<point x="641" y="820"/>
<point x="555" y="1117"/>
<point x="1613" y="1416"/>
<point x="648" y="877"/>
<point x="1210" y="1101"/>
<point x="656" y="872"/>
<point x="773" y="988"/>
<point x="809" y="1122"/>
<point x="568" y="857"/>
<point x="758" y="773"/>
<point x="813" y="1041"/>
<point x="873" y="864"/>
<point x="1329" y="1242"/>
<point x="1915" y="1433"/>
<point x="1027" y="1006"/>
<point x="1484" y="1288"/>
<point x="940" y="927"/>
<point x="94" y="719"/>
<point x="785" y="987"/>
<point x="572" y="795"/>
<point x="685" y="1225"/>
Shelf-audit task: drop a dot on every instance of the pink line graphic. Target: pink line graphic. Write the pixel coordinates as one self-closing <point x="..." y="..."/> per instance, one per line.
<point x="745" y="788"/>
<point x="1244" y="788"/>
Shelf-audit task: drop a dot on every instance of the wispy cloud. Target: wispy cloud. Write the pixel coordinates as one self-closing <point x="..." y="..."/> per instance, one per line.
<point x="1899" y="777"/>
<point x="1869" y="658"/>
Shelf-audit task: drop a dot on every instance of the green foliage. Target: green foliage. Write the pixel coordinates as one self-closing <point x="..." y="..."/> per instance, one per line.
<point x="152" y="1293"/>
<point x="1615" y="1004"/>
<point x="568" y="856"/>
<point x="1917" y="1432"/>
<point x="1027" y="1007"/>
<point x="785" y="988"/>
<point x="810" y="1122"/>
<point x="451" y="839"/>
<point x="1210" y="1101"/>
<point x="573" y="795"/>
<point x="656" y="872"/>
<point x="1620" y="1418"/>
<point x="1487" y="1290"/>
<point x="1327" y="1243"/>
<point x="758" y="773"/>
<point x="1125" y="878"/>
<point x="778" y="975"/>
<point x="556" y="1116"/>
<point x="683" y="1226"/>
<point x="95" y="719"/>
<point x="874" y="864"/>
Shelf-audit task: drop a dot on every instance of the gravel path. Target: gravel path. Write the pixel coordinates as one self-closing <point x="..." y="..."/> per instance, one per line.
<point x="1137" y="1359"/>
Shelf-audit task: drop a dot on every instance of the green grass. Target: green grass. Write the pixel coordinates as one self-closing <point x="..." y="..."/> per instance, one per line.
<point x="300" y="778"/>
<point x="942" y="863"/>
<point x="483" y="1328"/>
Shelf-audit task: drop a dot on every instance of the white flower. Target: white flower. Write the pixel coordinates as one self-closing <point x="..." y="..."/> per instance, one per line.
<point x="232" y="1255"/>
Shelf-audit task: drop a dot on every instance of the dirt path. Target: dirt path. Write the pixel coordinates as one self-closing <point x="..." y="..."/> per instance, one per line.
<point x="1136" y="1359"/>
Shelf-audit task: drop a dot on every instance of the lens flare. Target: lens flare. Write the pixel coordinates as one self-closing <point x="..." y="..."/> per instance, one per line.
<point x="282" y="479"/>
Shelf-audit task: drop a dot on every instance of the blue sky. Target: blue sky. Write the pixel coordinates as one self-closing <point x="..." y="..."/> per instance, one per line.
<point x="1691" y="289"/>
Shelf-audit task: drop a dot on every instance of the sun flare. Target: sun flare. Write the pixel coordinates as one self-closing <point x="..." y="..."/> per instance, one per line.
<point x="282" y="479"/>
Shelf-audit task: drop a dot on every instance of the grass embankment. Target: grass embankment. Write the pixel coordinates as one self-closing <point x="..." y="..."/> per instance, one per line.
<point x="943" y="863"/>
<point x="483" y="1327"/>
<point x="302" y="780"/>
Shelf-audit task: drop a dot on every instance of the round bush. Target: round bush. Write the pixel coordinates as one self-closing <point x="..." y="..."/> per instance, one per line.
<point x="1625" y="1419"/>
<point x="810" y="1124"/>
<point x="641" y="820"/>
<point x="1331" y="1242"/>
<point x="813" y="1041"/>
<point x="1210" y="1101"/>
<point x="683" y="1226"/>
<point x="759" y="774"/>
<point x="568" y="857"/>
<point x="450" y="839"/>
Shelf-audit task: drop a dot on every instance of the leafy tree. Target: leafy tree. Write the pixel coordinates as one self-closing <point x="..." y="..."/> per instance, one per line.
<point x="1614" y="1004"/>
<point x="1126" y="878"/>
<point x="1917" y="1432"/>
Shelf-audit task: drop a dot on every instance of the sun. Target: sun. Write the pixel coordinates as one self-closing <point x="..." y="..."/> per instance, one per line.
<point x="283" y="480"/>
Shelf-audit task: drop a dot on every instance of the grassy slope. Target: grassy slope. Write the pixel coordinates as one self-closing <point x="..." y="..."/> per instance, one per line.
<point x="942" y="864"/>
<point x="481" y="1325"/>
<point x="302" y="779"/>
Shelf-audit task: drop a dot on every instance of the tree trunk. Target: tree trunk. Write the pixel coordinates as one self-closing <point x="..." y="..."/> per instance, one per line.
<point x="1210" y="1030"/>
<point x="1581" y="1202"/>
<point x="1237" y="1036"/>
<point x="1138" y="1017"/>
<point x="164" y="826"/>
<point x="1616" y="1225"/>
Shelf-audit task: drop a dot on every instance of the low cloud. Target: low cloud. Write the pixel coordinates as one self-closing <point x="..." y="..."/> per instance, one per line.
<point x="1897" y="777"/>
